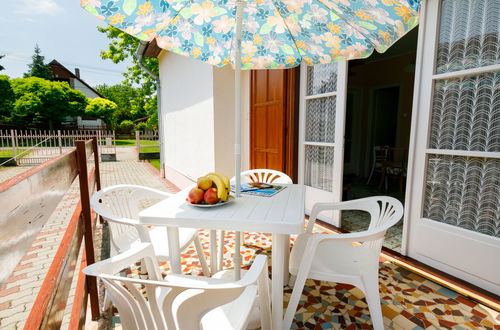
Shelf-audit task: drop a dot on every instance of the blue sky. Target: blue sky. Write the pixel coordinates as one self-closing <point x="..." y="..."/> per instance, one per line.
<point x="63" y="31"/>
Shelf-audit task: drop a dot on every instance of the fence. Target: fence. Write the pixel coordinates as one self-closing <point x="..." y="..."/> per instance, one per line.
<point x="32" y="147"/>
<point x="147" y="145"/>
<point x="28" y="201"/>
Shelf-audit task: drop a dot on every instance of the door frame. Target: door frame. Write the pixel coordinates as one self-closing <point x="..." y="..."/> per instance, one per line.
<point x="290" y="121"/>
<point x="338" y="156"/>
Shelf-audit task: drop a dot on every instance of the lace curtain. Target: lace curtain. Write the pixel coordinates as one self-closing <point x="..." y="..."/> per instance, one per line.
<point x="465" y="191"/>
<point x="320" y="126"/>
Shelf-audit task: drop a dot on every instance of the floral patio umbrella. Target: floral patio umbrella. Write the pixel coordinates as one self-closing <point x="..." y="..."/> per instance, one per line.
<point x="270" y="33"/>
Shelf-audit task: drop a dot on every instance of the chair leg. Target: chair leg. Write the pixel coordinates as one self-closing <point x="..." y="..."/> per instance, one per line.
<point x="201" y="256"/>
<point x="372" y="295"/>
<point x="295" y="297"/>
<point x="371" y="174"/>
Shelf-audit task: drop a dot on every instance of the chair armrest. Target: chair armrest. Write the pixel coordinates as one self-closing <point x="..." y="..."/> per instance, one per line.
<point x="356" y="204"/>
<point x="362" y="236"/>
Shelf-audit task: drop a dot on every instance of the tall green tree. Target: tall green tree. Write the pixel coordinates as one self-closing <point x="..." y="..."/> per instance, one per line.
<point x="37" y="67"/>
<point x="123" y="46"/>
<point x="43" y="103"/>
<point x="7" y="97"/>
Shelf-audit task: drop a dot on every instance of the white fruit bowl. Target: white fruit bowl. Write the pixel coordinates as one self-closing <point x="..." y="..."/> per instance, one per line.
<point x="203" y="205"/>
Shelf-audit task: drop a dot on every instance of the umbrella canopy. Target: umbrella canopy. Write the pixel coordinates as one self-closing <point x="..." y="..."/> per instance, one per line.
<point x="262" y="34"/>
<point x="275" y="33"/>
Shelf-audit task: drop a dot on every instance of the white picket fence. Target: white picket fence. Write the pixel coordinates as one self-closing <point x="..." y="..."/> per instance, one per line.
<point x="31" y="147"/>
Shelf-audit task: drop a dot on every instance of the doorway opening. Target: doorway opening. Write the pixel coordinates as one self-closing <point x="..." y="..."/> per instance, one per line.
<point x="377" y="130"/>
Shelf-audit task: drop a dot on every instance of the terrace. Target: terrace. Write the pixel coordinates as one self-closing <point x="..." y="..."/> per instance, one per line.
<point x="411" y="297"/>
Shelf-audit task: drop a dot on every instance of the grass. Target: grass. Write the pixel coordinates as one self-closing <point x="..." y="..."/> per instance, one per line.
<point x="155" y="163"/>
<point x="148" y="150"/>
<point x="6" y="153"/>
<point x="9" y="153"/>
<point x="132" y="143"/>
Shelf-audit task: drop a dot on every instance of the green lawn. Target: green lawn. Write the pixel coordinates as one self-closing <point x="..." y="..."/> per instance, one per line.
<point x="148" y="150"/>
<point x="132" y="143"/>
<point x="155" y="163"/>
<point x="6" y="153"/>
<point x="9" y="153"/>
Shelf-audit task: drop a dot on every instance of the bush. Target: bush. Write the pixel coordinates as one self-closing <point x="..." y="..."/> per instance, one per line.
<point x="100" y="108"/>
<point x="141" y="127"/>
<point x="125" y="127"/>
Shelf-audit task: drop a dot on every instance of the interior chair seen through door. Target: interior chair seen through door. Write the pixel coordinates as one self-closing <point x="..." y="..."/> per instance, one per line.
<point x="344" y="258"/>
<point x="120" y="205"/>
<point x="181" y="302"/>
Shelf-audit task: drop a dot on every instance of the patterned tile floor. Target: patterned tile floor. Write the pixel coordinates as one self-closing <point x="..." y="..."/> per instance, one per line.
<point x="409" y="301"/>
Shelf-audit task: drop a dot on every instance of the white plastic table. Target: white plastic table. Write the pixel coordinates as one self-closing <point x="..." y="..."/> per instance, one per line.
<point x="280" y="215"/>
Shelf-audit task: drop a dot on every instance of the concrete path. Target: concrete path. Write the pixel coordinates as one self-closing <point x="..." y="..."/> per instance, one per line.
<point x="18" y="293"/>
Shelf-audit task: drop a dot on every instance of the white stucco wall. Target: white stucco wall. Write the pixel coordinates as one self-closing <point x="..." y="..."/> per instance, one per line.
<point x="224" y="120"/>
<point x="188" y="117"/>
<point x="77" y="84"/>
<point x="198" y="118"/>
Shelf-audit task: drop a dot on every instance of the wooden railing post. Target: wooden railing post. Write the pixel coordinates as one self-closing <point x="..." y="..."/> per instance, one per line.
<point x="87" y="224"/>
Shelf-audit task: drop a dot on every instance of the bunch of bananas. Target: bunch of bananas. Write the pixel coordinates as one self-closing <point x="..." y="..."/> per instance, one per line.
<point x="220" y="181"/>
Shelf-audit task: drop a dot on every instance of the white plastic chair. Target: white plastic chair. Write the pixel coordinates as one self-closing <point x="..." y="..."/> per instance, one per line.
<point x="255" y="175"/>
<point x="344" y="258"/>
<point x="120" y="206"/>
<point x="181" y="301"/>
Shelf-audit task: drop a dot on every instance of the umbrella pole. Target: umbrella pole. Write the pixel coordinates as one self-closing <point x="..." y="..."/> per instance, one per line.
<point x="237" y="97"/>
<point x="237" y="128"/>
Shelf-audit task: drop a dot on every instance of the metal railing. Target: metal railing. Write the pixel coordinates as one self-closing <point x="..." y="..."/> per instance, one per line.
<point x="32" y="147"/>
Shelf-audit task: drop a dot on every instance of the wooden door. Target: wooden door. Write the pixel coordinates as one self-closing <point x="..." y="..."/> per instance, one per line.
<point x="272" y="121"/>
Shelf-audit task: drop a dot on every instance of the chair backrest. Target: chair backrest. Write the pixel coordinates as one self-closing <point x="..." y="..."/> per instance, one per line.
<point x="120" y="206"/>
<point x="396" y="156"/>
<point x="379" y="154"/>
<point x="384" y="212"/>
<point x="153" y="303"/>
<point x="264" y="176"/>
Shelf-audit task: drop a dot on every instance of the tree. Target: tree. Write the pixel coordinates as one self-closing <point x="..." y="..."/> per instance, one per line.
<point x="41" y="103"/>
<point x="100" y="108"/>
<point x="37" y="68"/>
<point x="129" y="101"/>
<point x="1" y="67"/>
<point x="7" y="97"/>
<point x="123" y="46"/>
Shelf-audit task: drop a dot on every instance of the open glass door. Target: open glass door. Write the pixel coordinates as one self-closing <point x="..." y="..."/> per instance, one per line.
<point x="321" y="133"/>
<point x="453" y="202"/>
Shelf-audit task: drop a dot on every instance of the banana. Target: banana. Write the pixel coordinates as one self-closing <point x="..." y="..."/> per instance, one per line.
<point x="221" y="187"/>
<point x="224" y="179"/>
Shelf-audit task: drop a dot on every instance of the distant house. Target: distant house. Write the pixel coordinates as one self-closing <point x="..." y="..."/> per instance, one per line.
<point x="61" y="73"/>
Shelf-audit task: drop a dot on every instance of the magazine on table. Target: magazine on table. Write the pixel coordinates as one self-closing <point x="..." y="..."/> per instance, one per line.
<point x="262" y="189"/>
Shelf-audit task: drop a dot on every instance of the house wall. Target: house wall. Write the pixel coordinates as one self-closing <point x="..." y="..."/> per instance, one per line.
<point x="198" y="118"/>
<point x="76" y="84"/>
<point x="188" y="118"/>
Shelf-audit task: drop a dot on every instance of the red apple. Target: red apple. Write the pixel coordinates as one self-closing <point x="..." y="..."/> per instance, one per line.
<point x="195" y="196"/>
<point x="211" y="196"/>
